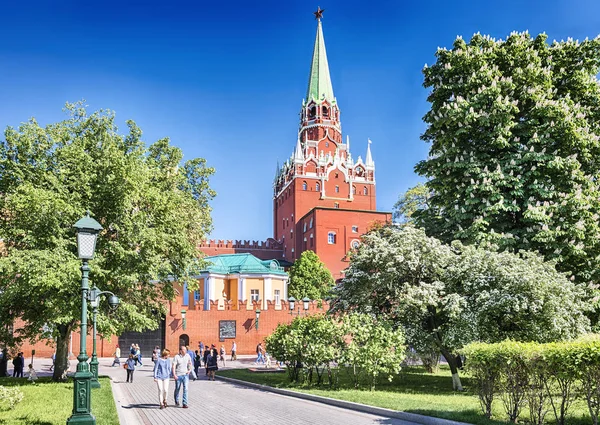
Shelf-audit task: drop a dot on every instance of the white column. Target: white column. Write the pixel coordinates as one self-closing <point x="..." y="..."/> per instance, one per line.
<point x="285" y="289"/>
<point x="208" y="284"/>
<point x="242" y="290"/>
<point x="267" y="287"/>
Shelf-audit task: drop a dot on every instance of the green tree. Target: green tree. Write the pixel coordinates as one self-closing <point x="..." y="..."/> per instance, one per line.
<point x="310" y="278"/>
<point x="514" y="129"/>
<point x="153" y="208"/>
<point x="452" y="295"/>
<point x="413" y="200"/>
<point x="374" y="348"/>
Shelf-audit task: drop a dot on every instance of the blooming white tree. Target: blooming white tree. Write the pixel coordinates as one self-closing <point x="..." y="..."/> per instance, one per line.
<point x="514" y="129"/>
<point x="452" y="295"/>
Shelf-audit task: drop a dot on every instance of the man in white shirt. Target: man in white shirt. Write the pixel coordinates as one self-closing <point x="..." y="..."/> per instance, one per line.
<point x="182" y="366"/>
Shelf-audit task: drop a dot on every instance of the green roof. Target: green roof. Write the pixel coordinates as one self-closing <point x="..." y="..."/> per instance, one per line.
<point x="319" y="81"/>
<point x="242" y="263"/>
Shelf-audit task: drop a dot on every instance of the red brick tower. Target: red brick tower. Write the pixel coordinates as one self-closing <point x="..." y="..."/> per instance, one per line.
<point x="323" y="198"/>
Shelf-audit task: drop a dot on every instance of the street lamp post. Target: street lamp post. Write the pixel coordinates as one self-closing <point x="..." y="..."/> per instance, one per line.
<point x="87" y="232"/>
<point x="305" y="305"/>
<point x="94" y="299"/>
<point x="257" y="312"/>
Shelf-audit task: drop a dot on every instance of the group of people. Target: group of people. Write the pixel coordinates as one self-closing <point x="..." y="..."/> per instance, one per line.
<point x="185" y="365"/>
<point x="18" y="366"/>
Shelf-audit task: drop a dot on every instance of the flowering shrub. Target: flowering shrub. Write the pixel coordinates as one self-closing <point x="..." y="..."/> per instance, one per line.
<point x="9" y="397"/>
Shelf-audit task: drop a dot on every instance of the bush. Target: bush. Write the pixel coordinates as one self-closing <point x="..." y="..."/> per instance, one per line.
<point x="9" y="397"/>
<point x="537" y="375"/>
<point x="317" y="344"/>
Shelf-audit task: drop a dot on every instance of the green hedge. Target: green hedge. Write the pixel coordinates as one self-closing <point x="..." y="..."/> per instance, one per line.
<point x="538" y="378"/>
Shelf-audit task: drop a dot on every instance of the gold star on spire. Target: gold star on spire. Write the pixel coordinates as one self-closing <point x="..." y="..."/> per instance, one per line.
<point x="319" y="13"/>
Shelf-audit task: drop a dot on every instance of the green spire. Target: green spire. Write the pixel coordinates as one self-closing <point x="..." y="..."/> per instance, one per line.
<point x="319" y="82"/>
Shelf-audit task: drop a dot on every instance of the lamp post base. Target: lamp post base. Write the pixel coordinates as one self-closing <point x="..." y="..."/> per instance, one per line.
<point x="94" y="371"/>
<point x="82" y="419"/>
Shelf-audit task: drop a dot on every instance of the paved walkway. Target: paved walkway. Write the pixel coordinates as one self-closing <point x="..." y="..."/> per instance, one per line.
<point x="218" y="402"/>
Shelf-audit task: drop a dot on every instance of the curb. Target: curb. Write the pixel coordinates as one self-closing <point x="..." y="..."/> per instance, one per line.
<point x="380" y="411"/>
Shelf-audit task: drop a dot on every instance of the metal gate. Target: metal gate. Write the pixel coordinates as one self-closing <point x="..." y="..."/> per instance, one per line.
<point x="147" y="340"/>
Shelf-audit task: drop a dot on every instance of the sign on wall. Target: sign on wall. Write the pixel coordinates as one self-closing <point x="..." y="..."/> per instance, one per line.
<point x="226" y="329"/>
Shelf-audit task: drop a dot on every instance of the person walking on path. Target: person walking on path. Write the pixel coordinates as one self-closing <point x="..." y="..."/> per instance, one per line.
<point x="53" y="360"/>
<point x="117" y="354"/>
<point x="211" y="363"/>
<point x="190" y="353"/>
<point x="259" y="354"/>
<point x="222" y="354"/>
<point x="233" y="351"/>
<point x="201" y="348"/>
<point x="205" y="357"/>
<point x="197" y="362"/>
<point x="138" y="355"/>
<point x="182" y="366"/>
<point x="162" y="374"/>
<point x="130" y="366"/>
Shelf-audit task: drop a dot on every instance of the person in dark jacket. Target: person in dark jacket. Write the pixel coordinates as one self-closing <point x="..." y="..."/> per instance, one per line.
<point x="19" y="365"/>
<point x="211" y="363"/>
<point x="205" y="357"/>
<point x="130" y="366"/>
<point x="197" y="362"/>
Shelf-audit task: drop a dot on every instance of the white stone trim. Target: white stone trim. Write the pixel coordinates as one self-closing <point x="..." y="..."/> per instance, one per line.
<point x="268" y="289"/>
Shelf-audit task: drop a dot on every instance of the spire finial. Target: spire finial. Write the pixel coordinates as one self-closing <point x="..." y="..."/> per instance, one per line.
<point x="319" y="13"/>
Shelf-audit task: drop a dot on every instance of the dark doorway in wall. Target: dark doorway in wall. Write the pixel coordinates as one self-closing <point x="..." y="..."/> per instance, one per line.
<point x="184" y="339"/>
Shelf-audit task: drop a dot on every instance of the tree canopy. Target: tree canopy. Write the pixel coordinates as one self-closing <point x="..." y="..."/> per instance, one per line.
<point x="152" y="206"/>
<point x="310" y="278"/>
<point x="514" y="129"/>
<point x="413" y="200"/>
<point x="452" y="295"/>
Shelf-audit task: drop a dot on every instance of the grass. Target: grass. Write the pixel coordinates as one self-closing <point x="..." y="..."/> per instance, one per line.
<point x="413" y="391"/>
<point x="51" y="403"/>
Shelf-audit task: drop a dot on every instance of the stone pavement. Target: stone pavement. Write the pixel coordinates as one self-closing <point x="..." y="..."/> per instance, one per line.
<point x="217" y="402"/>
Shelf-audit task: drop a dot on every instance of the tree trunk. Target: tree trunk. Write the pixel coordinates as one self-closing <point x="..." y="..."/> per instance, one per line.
<point x="451" y="359"/>
<point x="61" y="364"/>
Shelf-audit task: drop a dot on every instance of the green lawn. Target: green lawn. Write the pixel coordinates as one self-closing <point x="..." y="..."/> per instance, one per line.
<point x="413" y="391"/>
<point x="51" y="403"/>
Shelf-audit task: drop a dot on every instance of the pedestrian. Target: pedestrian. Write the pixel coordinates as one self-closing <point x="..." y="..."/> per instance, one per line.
<point x="138" y="355"/>
<point x="53" y="360"/>
<point x="117" y="354"/>
<point x="205" y="357"/>
<point x="201" y="348"/>
<point x="197" y="362"/>
<point x="233" y="351"/>
<point x="190" y="353"/>
<point x="162" y="375"/>
<point x="222" y="354"/>
<point x="130" y="366"/>
<point x="259" y="354"/>
<point x="32" y="374"/>
<point x="182" y="365"/>
<point x="211" y="363"/>
<point x="155" y="354"/>
<point x="19" y="364"/>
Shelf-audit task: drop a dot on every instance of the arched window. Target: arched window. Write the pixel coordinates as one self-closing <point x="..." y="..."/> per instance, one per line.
<point x="305" y="186"/>
<point x="318" y="187"/>
<point x="337" y="189"/>
<point x="331" y="238"/>
<point x="336" y="205"/>
<point x="354" y="190"/>
<point x="313" y="112"/>
<point x="184" y="339"/>
<point x="365" y="190"/>
<point x="325" y="111"/>
<point x="312" y="241"/>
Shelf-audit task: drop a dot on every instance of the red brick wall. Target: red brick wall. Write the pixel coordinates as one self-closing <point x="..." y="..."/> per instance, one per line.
<point x="204" y="325"/>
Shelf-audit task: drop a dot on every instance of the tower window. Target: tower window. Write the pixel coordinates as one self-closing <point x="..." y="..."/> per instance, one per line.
<point x="365" y="190"/>
<point x="304" y="186"/>
<point x="331" y="238"/>
<point x="305" y="226"/>
<point x="311" y="223"/>
<point x="336" y="205"/>
<point x="355" y="244"/>
<point x="354" y="229"/>
<point x="326" y="144"/>
<point x="318" y="187"/>
<point x="325" y="111"/>
<point x="312" y="241"/>
<point x="304" y="244"/>
<point x="313" y="112"/>
<point x="337" y="189"/>
<point x="354" y="190"/>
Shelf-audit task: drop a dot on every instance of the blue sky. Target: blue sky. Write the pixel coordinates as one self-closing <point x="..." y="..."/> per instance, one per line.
<point x="225" y="80"/>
